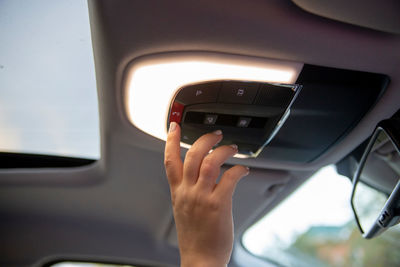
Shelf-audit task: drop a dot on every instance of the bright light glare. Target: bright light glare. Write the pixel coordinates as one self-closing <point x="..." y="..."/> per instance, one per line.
<point x="324" y="200"/>
<point x="48" y="98"/>
<point x="153" y="82"/>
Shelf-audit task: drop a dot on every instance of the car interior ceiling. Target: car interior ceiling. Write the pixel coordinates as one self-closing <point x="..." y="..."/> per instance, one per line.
<point x="118" y="207"/>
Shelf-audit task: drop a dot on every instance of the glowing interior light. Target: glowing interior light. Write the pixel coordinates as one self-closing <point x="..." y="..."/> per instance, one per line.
<point x="153" y="81"/>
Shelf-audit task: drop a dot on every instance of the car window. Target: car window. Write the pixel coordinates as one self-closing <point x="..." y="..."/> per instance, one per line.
<point x="48" y="99"/>
<point x="315" y="227"/>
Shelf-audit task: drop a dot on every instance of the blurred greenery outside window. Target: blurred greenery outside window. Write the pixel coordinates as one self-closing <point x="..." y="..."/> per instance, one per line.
<point x="315" y="227"/>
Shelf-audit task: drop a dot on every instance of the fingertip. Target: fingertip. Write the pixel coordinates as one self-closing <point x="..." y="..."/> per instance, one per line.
<point x="241" y="171"/>
<point x="173" y="134"/>
<point x="234" y="147"/>
<point x="247" y="171"/>
<point x="230" y="179"/>
<point x="217" y="132"/>
<point x="219" y="135"/>
<point x="172" y="127"/>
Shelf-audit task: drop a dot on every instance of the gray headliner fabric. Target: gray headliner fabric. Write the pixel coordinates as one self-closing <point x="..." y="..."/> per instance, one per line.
<point x="122" y="202"/>
<point x="373" y="14"/>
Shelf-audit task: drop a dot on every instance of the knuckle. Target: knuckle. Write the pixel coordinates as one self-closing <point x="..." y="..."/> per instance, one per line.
<point x="191" y="154"/>
<point x="208" y="168"/>
<point x="213" y="204"/>
<point x="229" y="173"/>
<point x="189" y="200"/>
<point x="188" y="196"/>
<point x="168" y="161"/>
<point x="208" y="161"/>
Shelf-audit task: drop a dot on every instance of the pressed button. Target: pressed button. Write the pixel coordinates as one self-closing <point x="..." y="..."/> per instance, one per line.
<point x="176" y="112"/>
<point x="238" y="92"/>
<point x="274" y="96"/>
<point x="199" y="93"/>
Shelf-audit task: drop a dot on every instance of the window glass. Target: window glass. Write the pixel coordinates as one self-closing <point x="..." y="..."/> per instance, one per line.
<point x="48" y="100"/>
<point x="315" y="227"/>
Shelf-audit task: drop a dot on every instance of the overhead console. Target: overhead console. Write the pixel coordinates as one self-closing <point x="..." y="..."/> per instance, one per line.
<point x="283" y="122"/>
<point x="248" y="113"/>
<point x="275" y="110"/>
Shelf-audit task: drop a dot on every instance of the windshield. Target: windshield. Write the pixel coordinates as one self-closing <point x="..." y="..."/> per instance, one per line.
<point x="315" y="227"/>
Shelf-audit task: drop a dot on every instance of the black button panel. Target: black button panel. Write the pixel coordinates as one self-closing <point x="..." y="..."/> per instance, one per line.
<point x="246" y="112"/>
<point x="274" y="96"/>
<point x="199" y="93"/>
<point x="238" y="92"/>
<point x="326" y="110"/>
<point x="224" y="120"/>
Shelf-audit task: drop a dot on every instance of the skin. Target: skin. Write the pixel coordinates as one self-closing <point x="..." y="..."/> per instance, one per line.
<point x="202" y="208"/>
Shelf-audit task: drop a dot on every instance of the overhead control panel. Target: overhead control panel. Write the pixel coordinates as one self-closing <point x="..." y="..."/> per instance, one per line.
<point x="331" y="103"/>
<point x="248" y="113"/>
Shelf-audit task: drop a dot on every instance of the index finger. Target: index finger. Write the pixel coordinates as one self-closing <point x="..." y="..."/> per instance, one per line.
<point x="172" y="160"/>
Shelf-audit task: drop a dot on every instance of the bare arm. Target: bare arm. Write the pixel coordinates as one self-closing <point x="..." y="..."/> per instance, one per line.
<point x="202" y="208"/>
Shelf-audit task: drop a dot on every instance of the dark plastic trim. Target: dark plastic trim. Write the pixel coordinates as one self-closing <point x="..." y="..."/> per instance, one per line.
<point x="330" y="105"/>
<point x="86" y="260"/>
<point x="392" y="128"/>
<point x="22" y="160"/>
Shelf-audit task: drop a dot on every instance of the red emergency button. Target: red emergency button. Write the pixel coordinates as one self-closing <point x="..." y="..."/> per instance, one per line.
<point x="176" y="112"/>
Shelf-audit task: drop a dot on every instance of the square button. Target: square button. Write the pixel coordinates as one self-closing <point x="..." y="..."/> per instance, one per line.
<point x="210" y="119"/>
<point x="199" y="93"/>
<point x="243" y="122"/>
<point x="238" y="92"/>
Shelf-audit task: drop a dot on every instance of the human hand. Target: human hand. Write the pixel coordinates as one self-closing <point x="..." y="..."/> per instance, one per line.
<point x="202" y="208"/>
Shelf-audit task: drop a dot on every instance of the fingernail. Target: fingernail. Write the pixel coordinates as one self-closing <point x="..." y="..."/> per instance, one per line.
<point x="217" y="132"/>
<point x="235" y="147"/>
<point x="172" y="127"/>
<point x="248" y="171"/>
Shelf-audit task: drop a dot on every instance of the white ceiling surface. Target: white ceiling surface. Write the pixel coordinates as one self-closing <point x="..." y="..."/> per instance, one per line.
<point x="263" y="29"/>
<point x="120" y="206"/>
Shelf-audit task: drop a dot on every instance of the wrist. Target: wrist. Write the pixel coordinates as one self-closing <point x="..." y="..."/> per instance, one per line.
<point x="202" y="262"/>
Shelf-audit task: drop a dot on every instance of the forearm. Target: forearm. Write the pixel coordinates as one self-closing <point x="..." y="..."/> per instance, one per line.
<point x="192" y="262"/>
<point x="204" y="259"/>
<point x="202" y="207"/>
